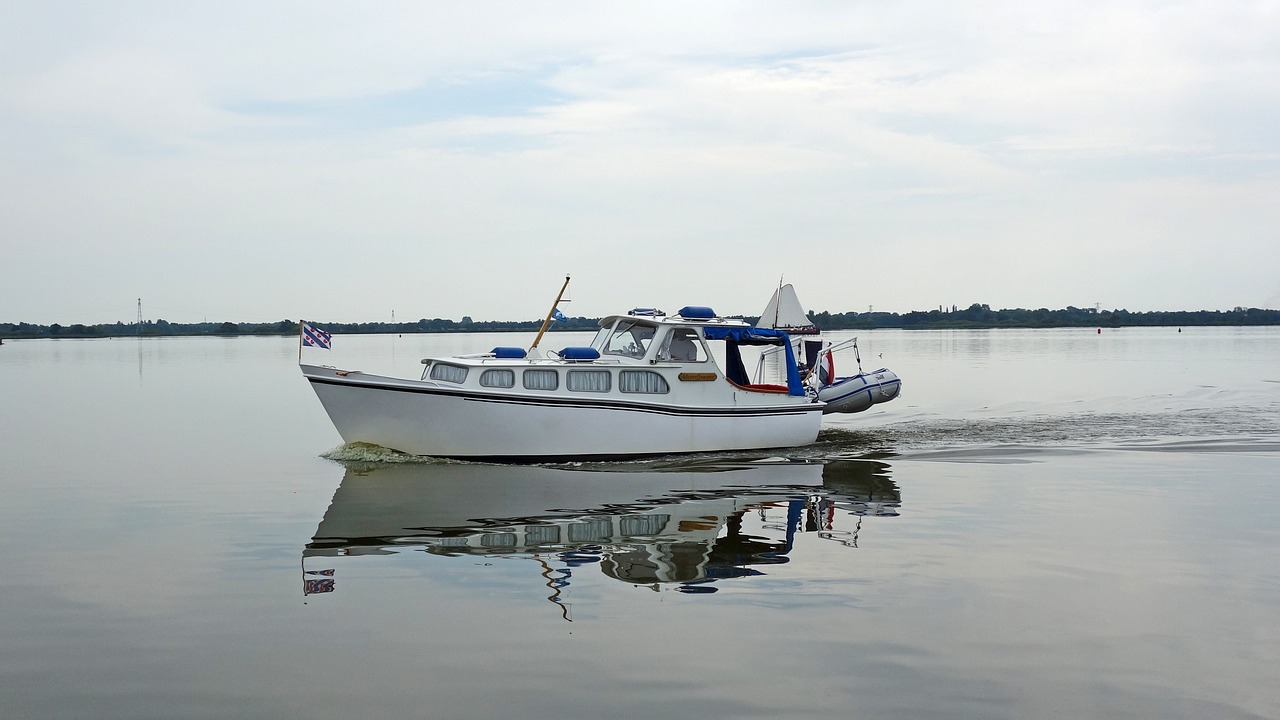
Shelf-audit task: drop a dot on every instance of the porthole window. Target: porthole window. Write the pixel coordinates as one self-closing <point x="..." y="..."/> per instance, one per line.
<point x="541" y="380"/>
<point x="448" y="373"/>
<point x="498" y="378"/>
<point x="588" y="381"/>
<point x="642" y="381"/>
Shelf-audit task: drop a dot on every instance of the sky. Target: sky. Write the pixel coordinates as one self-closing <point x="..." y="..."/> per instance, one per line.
<point x="343" y="161"/>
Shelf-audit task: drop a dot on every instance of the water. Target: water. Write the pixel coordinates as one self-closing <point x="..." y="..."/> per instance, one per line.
<point x="1052" y="523"/>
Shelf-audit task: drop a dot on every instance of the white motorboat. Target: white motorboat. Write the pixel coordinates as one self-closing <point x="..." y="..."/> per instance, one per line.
<point x="849" y="394"/>
<point x="680" y="523"/>
<point x="648" y="384"/>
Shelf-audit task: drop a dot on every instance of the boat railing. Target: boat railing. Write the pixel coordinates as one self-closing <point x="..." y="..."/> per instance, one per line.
<point x="828" y="350"/>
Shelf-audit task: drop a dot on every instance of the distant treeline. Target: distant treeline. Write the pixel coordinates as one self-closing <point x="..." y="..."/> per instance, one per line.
<point x="982" y="316"/>
<point x="164" y="328"/>
<point x="975" y="316"/>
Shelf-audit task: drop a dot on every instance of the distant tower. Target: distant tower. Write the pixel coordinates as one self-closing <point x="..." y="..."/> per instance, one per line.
<point x="139" y="316"/>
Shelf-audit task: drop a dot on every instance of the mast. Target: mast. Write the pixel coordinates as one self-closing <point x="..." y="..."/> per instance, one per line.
<point x="777" y="308"/>
<point x="546" y="323"/>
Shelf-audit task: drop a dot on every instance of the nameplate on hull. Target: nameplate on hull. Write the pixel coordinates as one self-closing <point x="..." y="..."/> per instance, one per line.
<point x="697" y="376"/>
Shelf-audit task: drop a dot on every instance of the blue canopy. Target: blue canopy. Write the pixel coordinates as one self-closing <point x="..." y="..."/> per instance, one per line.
<point x="735" y="336"/>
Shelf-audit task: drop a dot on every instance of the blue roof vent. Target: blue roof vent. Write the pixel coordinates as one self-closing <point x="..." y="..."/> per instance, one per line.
<point x="509" y="353"/>
<point x="697" y="312"/>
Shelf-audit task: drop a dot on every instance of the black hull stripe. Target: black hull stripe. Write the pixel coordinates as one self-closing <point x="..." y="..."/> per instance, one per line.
<point x="574" y="403"/>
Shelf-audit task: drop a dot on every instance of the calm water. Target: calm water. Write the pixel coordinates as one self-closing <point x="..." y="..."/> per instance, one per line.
<point x="1046" y="524"/>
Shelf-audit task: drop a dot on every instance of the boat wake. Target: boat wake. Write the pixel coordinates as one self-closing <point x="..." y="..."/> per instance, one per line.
<point x="358" y="452"/>
<point x="1019" y="438"/>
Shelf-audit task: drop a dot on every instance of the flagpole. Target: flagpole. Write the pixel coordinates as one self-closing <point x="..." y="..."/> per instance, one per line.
<point x="299" y="342"/>
<point x="552" y="311"/>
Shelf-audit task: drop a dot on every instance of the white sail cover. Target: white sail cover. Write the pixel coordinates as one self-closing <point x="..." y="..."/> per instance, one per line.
<point x="785" y="313"/>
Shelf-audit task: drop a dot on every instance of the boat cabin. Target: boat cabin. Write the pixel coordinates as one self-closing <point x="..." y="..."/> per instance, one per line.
<point x="673" y="350"/>
<point x="632" y="337"/>
<point x="648" y="335"/>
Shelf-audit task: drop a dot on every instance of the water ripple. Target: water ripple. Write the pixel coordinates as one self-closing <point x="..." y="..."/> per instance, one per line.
<point x="1238" y="429"/>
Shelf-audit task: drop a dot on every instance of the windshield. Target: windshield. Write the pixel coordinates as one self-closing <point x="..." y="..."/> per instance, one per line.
<point x="597" y="342"/>
<point x="628" y="338"/>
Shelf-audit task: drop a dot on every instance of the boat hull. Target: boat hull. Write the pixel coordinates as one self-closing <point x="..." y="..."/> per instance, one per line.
<point x="423" y="418"/>
<point x="859" y="392"/>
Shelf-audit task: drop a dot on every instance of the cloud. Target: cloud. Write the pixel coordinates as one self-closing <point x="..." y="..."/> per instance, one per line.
<point x="1013" y="154"/>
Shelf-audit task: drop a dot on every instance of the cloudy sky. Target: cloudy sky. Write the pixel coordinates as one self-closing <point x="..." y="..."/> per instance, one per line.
<point x="343" y="161"/>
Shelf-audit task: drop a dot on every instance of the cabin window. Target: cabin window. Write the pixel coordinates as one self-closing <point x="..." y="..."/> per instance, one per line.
<point x="541" y="380"/>
<point x="642" y="525"/>
<point x="498" y="378"/>
<point x="498" y="540"/>
<point x="541" y="534"/>
<point x="629" y="338"/>
<point x="448" y="373"/>
<point x="595" y="530"/>
<point x="683" y="345"/>
<point x="588" y="380"/>
<point x="642" y="381"/>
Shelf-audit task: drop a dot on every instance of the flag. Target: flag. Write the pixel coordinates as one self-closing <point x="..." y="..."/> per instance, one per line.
<point x="557" y="315"/>
<point x="315" y="587"/>
<point x="315" y="337"/>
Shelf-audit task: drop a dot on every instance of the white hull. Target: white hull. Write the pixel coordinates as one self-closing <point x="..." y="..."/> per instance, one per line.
<point x="678" y="524"/>
<point x="416" y="502"/>
<point x="858" y="392"/>
<point x="422" y="417"/>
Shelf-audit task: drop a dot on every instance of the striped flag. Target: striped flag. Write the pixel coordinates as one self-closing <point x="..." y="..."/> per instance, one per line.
<point x="316" y="586"/>
<point x="315" y="337"/>
<point x="315" y="582"/>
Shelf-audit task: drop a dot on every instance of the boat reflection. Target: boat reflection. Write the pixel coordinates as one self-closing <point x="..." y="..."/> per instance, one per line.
<point x="690" y="524"/>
